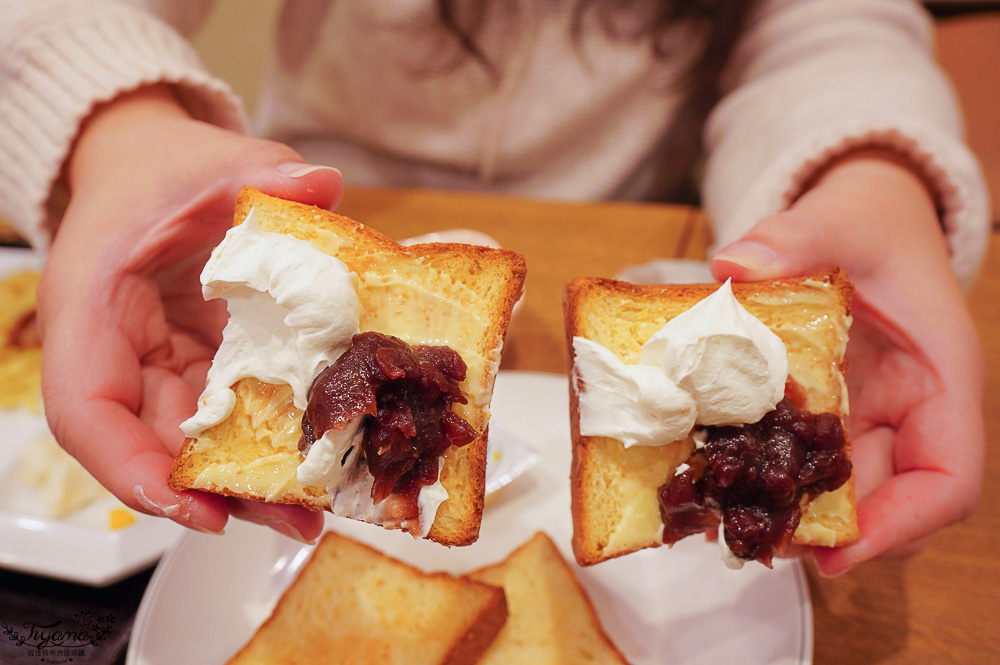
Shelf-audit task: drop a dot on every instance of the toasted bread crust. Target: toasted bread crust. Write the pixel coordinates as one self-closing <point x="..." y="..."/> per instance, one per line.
<point x="353" y="604"/>
<point x="457" y="295"/>
<point x="609" y="481"/>
<point x="552" y="620"/>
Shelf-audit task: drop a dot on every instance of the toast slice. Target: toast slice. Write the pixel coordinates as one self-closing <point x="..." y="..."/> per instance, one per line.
<point x="614" y="489"/>
<point x="552" y="621"/>
<point x="459" y="296"/>
<point x="351" y="604"/>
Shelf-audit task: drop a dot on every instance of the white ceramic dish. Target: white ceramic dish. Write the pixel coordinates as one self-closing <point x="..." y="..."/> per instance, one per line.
<point x="682" y="605"/>
<point x="80" y="548"/>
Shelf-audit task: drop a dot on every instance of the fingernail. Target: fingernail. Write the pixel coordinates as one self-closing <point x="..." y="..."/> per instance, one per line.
<point x="152" y="507"/>
<point x="749" y="254"/>
<point x="285" y="529"/>
<point x="298" y="170"/>
<point x="201" y="529"/>
<point x="173" y="512"/>
<point x="825" y="567"/>
<point x="830" y="575"/>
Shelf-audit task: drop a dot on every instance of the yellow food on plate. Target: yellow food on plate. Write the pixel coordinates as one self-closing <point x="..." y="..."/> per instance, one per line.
<point x="63" y="485"/>
<point x="120" y="518"/>
<point x="20" y="351"/>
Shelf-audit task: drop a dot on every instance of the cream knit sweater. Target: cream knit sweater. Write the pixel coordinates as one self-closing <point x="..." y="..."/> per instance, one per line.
<point x="377" y="89"/>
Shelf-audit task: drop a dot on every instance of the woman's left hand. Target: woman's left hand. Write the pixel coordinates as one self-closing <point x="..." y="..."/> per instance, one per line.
<point x="916" y="376"/>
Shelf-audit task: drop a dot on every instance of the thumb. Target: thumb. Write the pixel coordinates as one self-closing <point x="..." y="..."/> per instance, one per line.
<point x="783" y="245"/>
<point x="312" y="184"/>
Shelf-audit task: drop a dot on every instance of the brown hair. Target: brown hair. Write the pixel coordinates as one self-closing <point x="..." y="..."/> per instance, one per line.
<point x="716" y="24"/>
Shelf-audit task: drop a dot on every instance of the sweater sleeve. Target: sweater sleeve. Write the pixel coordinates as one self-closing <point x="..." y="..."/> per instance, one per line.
<point x="813" y="79"/>
<point x="59" y="58"/>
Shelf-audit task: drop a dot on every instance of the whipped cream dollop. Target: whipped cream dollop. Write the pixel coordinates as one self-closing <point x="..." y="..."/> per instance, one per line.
<point x="292" y="311"/>
<point x="331" y="456"/>
<point x="715" y="364"/>
<point x="636" y="404"/>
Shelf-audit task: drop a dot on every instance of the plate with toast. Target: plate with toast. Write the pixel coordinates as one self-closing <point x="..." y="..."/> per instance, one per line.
<point x="654" y="606"/>
<point x="56" y="520"/>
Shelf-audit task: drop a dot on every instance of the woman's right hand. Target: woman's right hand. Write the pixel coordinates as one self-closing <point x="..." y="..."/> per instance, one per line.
<point x="127" y="336"/>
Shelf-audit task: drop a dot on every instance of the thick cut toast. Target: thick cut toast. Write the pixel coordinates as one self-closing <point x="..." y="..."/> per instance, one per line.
<point x="614" y="489"/>
<point x="459" y="296"/>
<point x="351" y="604"/>
<point x="552" y="621"/>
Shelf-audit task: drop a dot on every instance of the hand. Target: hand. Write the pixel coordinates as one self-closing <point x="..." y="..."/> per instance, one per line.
<point x="127" y="336"/>
<point x="916" y="375"/>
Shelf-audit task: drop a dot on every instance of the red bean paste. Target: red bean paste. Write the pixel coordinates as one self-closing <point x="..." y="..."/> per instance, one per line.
<point x="404" y="395"/>
<point x="753" y="478"/>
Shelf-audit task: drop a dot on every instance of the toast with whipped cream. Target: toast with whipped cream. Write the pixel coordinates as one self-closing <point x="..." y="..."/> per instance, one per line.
<point x="708" y="408"/>
<point x="351" y="603"/>
<point x="355" y="374"/>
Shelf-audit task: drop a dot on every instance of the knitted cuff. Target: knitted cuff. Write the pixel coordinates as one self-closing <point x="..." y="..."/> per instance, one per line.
<point x="58" y="69"/>
<point x="945" y="163"/>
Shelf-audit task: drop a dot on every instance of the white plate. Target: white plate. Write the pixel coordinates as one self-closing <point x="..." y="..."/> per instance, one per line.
<point x="80" y="548"/>
<point x="660" y="606"/>
<point x="508" y="455"/>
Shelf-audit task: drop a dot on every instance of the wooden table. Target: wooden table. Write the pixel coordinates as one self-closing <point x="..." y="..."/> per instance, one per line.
<point x="559" y="241"/>
<point x="942" y="606"/>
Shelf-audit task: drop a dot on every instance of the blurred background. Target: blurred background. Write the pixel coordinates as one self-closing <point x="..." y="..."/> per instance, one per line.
<point x="968" y="36"/>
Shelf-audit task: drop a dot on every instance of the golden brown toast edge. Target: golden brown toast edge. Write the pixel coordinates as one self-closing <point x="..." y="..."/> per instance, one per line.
<point x="479" y="632"/>
<point x="362" y="249"/>
<point x="540" y="545"/>
<point x="595" y="459"/>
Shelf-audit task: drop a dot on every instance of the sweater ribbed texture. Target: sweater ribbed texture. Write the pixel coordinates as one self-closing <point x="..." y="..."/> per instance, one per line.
<point x="817" y="79"/>
<point x="362" y="86"/>
<point x="56" y="64"/>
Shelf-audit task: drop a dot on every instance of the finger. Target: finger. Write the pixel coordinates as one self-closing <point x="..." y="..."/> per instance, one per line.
<point x="825" y="569"/>
<point x="95" y="424"/>
<point x="866" y="207"/>
<point x="909" y="549"/>
<point x="93" y="388"/>
<point x="791" y="244"/>
<point x="898" y="516"/>
<point x="168" y="400"/>
<point x="293" y="521"/>
<point x="937" y="460"/>
<point x="196" y="375"/>
<point x="312" y="184"/>
<point x="180" y="237"/>
<point x="794" y="552"/>
<point x="132" y="463"/>
<point x="872" y="459"/>
<point x="179" y="288"/>
<point x="779" y="246"/>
